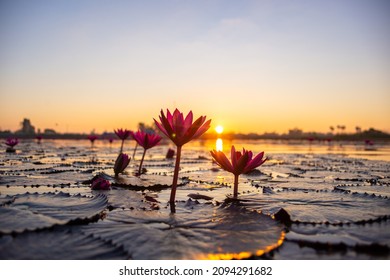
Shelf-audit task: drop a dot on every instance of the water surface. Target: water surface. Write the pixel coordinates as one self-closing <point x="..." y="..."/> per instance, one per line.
<point x="336" y="195"/>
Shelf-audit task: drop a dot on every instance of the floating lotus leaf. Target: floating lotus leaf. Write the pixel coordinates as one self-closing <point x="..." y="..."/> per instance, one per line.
<point x="37" y="211"/>
<point x="65" y="243"/>
<point x="364" y="233"/>
<point x="215" y="176"/>
<point x="320" y="207"/>
<point x="70" y="189"/>
<point x="355" y="241"/>
<point x="143" y="182"/>
<point x="304" y="184"/>
<point x="205" y="232"/>
<point x="6" y="200"/>
<point x="375" y="189"/>
<point x="308" y="251"/>
<point x="48" y="178"/>
<point x="123" y="198"/>
<point x="219" y="193"/>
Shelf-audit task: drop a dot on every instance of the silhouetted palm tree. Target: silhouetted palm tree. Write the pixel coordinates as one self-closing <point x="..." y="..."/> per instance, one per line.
<point x="358" y="129"/>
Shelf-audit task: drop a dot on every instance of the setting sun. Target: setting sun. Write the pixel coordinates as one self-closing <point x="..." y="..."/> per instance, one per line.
<point x="219" y="129"/>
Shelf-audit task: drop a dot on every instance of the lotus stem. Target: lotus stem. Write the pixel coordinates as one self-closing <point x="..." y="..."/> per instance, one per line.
<point x="121" y="150"/>
<point x="175" y="177"/>
<point x="135" y="149"/>
<point x="235" y="191"/>
<point x="142" y="161"/>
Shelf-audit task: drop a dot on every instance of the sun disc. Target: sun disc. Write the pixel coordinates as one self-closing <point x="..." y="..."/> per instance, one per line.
<point x="219" y="129"/>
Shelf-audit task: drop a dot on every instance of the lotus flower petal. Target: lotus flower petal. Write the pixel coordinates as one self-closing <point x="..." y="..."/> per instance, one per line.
<point x="146" y="140"/>
<point x="122" y="133"/>
<point x="182" y="130"/>
<point x="241" y="162"/>
<point x="222" y="160"/>
<point x="11" y="142"/>
<point x="121" y="163"/>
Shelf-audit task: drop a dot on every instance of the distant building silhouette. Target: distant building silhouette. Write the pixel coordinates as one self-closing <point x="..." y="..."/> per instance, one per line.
<point x="27" y="128"/>
<point x="295" y="133"/>
<point x="49" y="131"/>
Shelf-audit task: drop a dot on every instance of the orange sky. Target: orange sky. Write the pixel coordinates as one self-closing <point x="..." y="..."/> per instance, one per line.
<point x="253" y="66"/>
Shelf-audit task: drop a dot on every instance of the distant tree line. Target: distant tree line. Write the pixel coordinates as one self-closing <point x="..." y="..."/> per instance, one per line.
<point x="27" y="130"/>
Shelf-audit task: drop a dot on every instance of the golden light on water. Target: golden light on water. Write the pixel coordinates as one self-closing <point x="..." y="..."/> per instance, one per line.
<point x="219" y="145"/>
<point x="219" y="129"/>
<point x="245" y="255"/>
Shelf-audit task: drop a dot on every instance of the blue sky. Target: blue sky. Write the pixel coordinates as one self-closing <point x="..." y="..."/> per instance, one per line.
<point x="249" y="65"/>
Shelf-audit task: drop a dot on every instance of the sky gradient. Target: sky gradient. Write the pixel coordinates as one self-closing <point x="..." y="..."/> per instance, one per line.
<point x="251" y="66"/>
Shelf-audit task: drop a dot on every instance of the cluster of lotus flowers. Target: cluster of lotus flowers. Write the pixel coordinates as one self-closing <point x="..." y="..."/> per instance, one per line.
<point x="181" y="130"/>
<point x="11" y="142"/>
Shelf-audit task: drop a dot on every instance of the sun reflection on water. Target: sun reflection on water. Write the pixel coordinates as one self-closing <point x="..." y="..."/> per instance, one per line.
<point x="219" y="145"/>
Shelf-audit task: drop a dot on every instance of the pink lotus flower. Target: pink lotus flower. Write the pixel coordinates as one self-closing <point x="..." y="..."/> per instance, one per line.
<point x="368" y="142"/>
<point x="123" y="134"/>
<point x="147" y="141"/>
<point x="310" y="139"/>
<point x="180" y="130"/>
<point x="92" y="138"/>
<point x="39" y="138"/>
<point x="240" y="163"/>
<point x="100" y="184"/>
<point x="122" y="161"/>
<point x="11" y="142"/>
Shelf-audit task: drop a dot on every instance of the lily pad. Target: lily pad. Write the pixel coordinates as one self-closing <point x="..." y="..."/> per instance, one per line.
<point x="38" y="178"/>
<point x="143" y="182"/>
<point x="350" y="235"/>
<point x="205" y="232"/>
<point x="6" y="200"/>
<point x="320" y="207"/>
<point x="314" y="251"/>
<point x="64" y="243"/>
<point x="366" y="189"/>
<point x="123" y="198"/>
<point x="70" y="189"/>
<point x="38" y="211"/>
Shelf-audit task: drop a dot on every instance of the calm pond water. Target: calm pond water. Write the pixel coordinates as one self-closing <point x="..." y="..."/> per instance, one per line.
<point x="336" y="198"/>
<point x="377" y="151"/>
